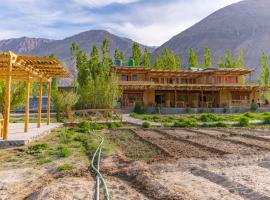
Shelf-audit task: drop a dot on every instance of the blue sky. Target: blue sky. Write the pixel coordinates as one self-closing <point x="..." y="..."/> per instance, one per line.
<point x="150" y="22"/>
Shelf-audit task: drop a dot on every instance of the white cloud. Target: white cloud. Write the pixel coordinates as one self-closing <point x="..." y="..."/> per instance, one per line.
<point x="102" y="3"/>
<point x="148" y="22"/>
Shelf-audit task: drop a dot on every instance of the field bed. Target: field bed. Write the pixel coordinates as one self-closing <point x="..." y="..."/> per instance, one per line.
<point x="217" y="143"/>
<point x="177" y="148"/>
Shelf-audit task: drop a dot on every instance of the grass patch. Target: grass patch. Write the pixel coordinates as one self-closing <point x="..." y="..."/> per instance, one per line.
<point x="65" y="167"/>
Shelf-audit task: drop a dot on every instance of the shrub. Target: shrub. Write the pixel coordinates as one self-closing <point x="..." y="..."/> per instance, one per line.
<point x="183" y="123"/>
<point x="138" y="108"/>
<point x="244" y="122"/>
<point x="249" y="115"/>
<point x="253" y="107"/>
<point x="65" y="167"/>
<point x="61" y="152"/>
<point x="266" y="120"/>
<point x="84" y="127"/>
<point x="209" y="117"/>
<point x="146" y="125"/>
<point x="80" y="138"/>
<point x="167" y="125"/>
<point x="158" y="110"/>
<point x="36" y="148"/>
<point x="225" y="110"/>
<point x="115" y="125"/>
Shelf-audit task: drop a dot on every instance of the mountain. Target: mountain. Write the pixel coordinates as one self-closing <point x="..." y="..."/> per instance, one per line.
<point x="61" y="48"/>
<point x="22" y="45"/>
<point x="244" y="25"/>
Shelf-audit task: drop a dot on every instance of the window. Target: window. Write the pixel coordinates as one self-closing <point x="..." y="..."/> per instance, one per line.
<point x="124" y="78"/>
<point x="134" y="77"/>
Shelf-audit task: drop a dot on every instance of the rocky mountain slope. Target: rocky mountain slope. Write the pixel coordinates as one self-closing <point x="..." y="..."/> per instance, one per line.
<point x="244" y="25"/>
<point x="61" y="48"/>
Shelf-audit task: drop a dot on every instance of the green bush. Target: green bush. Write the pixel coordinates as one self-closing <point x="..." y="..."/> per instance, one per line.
<point x="158" y="110"/>
<point x="244" y="122"/>
<point x="138" y="108"/>
<point x="250" y="115"/>
<point x="115" y="125"/>
<point x="253" y="107"/>
<point x="146" y="125"/>
<point x="208" y="117"/>
<point x="36" y="148"/>
<point x="266" y="120"/>
<point x="186" y="122"/>
<point x="167" y="125"/>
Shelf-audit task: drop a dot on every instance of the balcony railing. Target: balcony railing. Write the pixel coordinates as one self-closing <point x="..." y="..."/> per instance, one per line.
<point x="185" y="84"/>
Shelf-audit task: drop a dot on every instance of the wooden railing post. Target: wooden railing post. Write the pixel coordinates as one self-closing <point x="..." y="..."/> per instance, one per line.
<point x="49" y="104"/>
<point x="7" y="99"/>
<point x="26" y="120"/>
<point x="39" y="104"/>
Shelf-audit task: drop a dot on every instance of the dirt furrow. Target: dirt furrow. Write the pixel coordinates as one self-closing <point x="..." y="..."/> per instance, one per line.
<point x="225" y="146"/>
<point x="254" y="146"/>
<point x="178" y="148"/>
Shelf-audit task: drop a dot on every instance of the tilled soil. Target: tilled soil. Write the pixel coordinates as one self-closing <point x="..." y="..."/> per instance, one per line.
<point x="218" y="143"/>
<point x="176" y="148"/>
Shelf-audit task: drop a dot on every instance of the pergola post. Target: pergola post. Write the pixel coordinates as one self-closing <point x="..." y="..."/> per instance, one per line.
<point x="49" y="104"/>
<point x="39" y="104"/>
<point x="7" y="100"/>
<point x="26" y="120"/>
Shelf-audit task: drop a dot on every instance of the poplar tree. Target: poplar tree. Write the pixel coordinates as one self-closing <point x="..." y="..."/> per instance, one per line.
<point x="116" y="54"/>
<point x="228" y="59"/>
<point x="265" y="70"/>
<point x="119" y="55"/>
<point x="240" y="59"/>
<point x="177" y="62"/>
<point x="158" y="62"/>
<point x="241" y="63"/>
<point x="106" y="60"/>
<point x="207" y="60"/>
<point x="146" y="62"/>
<point x="122" y="56"/>
<point x="193" y="59"/>
<point x="136" y="53"/>
<point x="220" y="62"/>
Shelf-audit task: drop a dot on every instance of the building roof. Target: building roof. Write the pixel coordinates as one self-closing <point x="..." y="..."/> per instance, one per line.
<point x="21" y="66"/>
<point x="181" y="72"/>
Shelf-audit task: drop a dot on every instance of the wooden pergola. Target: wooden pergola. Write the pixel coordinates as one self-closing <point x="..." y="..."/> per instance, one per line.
<point x="28" y="69"/>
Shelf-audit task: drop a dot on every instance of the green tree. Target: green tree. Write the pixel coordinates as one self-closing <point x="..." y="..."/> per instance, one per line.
<point x="193" y="59"/>
<point x="136" y="53"/>
<point x="228" y="59"/>
<point x="207" y="60"/>
<point x="106" y="59"/>
<point x="158" y="62"/>
<point x="100" y="87"/>
<point x="122" y="56"/>
<point x="116" y="54"/>
<point x="220" y="62"/>
<point x="265" y="70"/>
<point x="177" y="62"/>
<point x="17" y="95"/>
<point x="240" y="59"/>
<point x="146" y="62"/>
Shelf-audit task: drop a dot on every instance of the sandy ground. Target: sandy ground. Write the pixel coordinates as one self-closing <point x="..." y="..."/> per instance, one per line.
<point x="208" y="165"/>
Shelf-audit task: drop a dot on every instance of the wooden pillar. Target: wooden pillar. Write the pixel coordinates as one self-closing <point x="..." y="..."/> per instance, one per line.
<point x="49" y="104"/>
<point x="7" y="100"/>
<point x="26" y="119"/>
<point x="39" y="103"/>
<point x="175" y="99"/>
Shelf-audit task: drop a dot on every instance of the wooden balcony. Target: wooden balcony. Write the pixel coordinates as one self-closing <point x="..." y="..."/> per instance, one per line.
<point x="142" y="85"/>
